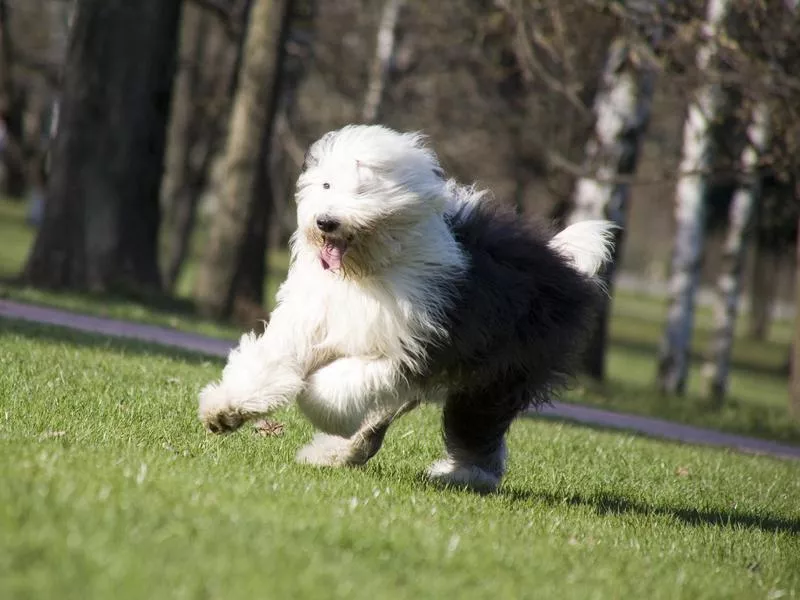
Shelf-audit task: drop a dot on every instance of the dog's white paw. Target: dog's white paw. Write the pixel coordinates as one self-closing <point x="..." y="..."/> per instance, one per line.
<point x="447" y="472"/>
<point x="216" y="411"/>
<point x="326" y="451"/>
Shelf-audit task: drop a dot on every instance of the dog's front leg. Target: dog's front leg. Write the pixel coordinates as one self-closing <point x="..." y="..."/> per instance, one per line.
<point x="262" y="374"/>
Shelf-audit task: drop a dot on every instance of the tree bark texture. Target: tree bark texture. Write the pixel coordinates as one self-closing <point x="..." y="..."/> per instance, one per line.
<point x="382" y="61"/>
<point x="186" y="159"/>
<point x="696" y="160"/>
<point x="764" y="288"/>
<point x="12" y="109"/>
<point x="101" y="217"/>
<point x="729" y="282"/>
<point x="242" y="186"/>
<point x="794" y="384"/>
<point x="622" y="111"/>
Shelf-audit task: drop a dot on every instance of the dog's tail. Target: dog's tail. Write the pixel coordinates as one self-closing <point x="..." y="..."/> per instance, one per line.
<point x="586" y="244"/>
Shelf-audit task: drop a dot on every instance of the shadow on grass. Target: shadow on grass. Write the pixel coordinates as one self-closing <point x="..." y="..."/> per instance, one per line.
<point x="605" y="503"/>
<point x="61" y="335"/>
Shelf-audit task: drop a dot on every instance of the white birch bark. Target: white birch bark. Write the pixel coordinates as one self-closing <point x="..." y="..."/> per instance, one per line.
<point x="622" y="111"/>
<point x="381" y="64"/>
<point x="729" y="282"/>
<point x="690" y="194"/>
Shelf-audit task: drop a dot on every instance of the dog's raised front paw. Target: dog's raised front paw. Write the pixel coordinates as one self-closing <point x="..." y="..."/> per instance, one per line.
<point x="216" y="412"/>
<point x="223" y="422"/>
<point x="448" y="472"/>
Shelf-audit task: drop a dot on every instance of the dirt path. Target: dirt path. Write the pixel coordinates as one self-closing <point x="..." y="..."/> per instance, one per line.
<point x="570" y="412"/>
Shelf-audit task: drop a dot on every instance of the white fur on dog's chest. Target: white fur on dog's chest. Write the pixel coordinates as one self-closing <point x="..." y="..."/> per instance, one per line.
<point x="346" y="318"/>
<point x="362" y="335"/>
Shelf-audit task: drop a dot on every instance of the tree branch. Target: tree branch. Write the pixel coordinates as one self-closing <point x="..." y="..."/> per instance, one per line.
<point x="558" y="162"/>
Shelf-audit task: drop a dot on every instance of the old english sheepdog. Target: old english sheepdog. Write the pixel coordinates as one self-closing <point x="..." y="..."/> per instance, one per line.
<point x="406" y="287"/>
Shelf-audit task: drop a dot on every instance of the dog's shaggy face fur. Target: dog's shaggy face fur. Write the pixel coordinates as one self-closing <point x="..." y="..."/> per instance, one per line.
<point x="404" y="288"/>
<point x="370" y="203"/>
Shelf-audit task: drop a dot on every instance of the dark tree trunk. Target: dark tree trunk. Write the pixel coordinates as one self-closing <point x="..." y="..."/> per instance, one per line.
<point x="201" y="109"/>
<point x="594" y="356"/>
<point x="233" y="267"/>
<point x="248" y="284"/>
<point x="12" y="108"/>
<point x="794" y="384"/>
<point x="183" y="182"/>
<point x="286" y="155"/>
<point x="101" y="219"/>
<point x="763" y="288"/>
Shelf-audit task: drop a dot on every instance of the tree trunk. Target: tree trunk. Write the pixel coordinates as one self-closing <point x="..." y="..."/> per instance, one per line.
<point x="199" y="123"/>
<point x="622" y="111"/>
<point x="764" y="288"/>
<point x="794" y="384"/>
<point x="286" y="155"/>
<point x="382" y="62"/>
<point x="729" y="283"/>
<point x="696" y="161"/>
<point x="12" y="109"/>
<point x="101" y="217"/>
<point x="245" y="157"/>
<point x="180" y="188"/>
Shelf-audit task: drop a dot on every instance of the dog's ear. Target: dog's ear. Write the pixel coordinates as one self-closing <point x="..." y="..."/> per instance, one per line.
<point x="365" y="172"/>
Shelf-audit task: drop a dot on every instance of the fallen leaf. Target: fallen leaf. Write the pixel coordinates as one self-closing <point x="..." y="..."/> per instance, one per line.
<point x="268" y="428"/>
<point x="682" y="471"/>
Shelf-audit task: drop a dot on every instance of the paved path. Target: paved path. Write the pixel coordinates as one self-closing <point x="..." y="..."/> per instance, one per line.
<point x="570" y="412"/>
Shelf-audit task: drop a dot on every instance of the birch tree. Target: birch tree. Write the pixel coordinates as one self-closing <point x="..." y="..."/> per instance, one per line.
<point x="382" y="62"/>
<point x="622" y="111"/>
<point x="729" y="282"/>
<point x="696" y="161"/>
<point x="242" y="188"/>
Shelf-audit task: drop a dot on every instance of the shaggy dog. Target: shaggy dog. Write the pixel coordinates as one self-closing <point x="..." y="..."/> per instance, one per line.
<point x="405" y="287"/>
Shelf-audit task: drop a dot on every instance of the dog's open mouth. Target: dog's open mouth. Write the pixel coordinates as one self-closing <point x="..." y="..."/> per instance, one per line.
<point x="332" y="253"/>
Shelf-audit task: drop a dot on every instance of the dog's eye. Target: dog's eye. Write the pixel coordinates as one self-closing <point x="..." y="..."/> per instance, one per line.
<point x="326" y="185"/>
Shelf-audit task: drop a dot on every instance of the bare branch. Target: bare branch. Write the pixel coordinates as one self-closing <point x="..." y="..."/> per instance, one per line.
<point x="559" y="162"/>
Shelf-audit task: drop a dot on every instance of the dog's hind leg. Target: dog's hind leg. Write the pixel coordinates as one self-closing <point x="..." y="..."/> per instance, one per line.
<point x="475" y="425"/>
<point x="334" y="451"/>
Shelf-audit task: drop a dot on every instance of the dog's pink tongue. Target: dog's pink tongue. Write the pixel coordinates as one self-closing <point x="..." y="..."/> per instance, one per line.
<point x="331" y="256"/>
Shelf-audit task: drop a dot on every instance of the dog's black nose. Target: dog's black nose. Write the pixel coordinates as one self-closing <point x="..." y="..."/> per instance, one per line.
<point x="327" y="224"/>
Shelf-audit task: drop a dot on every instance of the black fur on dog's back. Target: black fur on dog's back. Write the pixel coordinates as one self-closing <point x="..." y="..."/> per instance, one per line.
<point x="516" y="328"/>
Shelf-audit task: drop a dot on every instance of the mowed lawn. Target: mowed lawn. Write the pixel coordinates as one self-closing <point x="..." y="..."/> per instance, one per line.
<point x="111" y="489"/>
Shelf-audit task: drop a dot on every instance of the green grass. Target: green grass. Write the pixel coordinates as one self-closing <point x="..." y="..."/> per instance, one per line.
<point x="16" y="236"/>
<point x="112" y="490"/>
<point x="757" y="403"/>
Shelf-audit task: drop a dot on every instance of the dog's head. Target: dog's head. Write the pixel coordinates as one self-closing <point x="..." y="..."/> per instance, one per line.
<point x="362" y="190"/>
